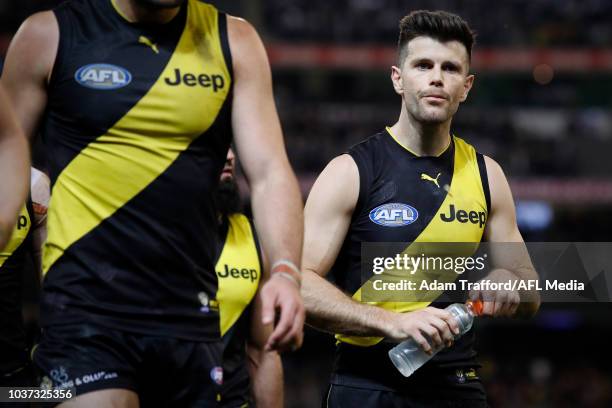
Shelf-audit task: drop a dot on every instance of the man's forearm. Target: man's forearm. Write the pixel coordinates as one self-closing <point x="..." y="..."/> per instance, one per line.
<point x="530" y="299"/>
<point x="529" y="302"/>
<point x="15" y="170"/>
<point x="277" y="209"/>
<point x="331" y="310"/>
<point x="266" y="373"/>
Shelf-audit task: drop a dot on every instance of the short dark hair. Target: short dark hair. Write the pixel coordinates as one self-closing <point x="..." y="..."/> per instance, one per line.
<point x="439" y="25"/>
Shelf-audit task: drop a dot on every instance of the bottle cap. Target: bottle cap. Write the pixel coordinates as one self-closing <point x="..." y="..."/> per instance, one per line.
<point x="475" y="306"/>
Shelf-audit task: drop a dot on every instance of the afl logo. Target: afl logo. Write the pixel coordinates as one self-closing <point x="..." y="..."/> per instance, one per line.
<point x="103" y="76"/>
<point x="394" y="215"/>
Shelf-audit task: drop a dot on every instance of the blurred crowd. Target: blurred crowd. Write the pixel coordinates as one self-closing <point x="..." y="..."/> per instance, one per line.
<point x="562" y="128"/>
<point x="531" y="129"/>
<point x="511" y="23"/>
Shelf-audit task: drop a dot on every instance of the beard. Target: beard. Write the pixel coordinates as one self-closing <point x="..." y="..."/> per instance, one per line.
<point x="428" y="114"/>
<point x="227" y="197"/>
<point x="432" y="115"/>
<point x="160" y="4"/>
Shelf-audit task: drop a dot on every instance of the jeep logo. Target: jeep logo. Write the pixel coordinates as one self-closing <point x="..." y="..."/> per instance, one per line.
<point x="463" y="216"/>
<point x="22" y="222"/>
<point x="204" y="80"/>
<point x="238" y="273"/>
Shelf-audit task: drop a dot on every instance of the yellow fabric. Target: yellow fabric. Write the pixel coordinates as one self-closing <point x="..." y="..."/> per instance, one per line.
<point x="20" y="233"/>
<point x="118" y="165"/>
<point x="238" y="271"/>
<point x="465" y="192"/>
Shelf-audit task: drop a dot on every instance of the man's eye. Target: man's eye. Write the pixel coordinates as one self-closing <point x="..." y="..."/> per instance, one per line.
<point x="451" y="68"/>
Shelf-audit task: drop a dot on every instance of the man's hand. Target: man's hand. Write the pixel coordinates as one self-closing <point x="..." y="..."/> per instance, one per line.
<point x="283" y="295"/>
<point x="498" y="303"/>
<point x="429" y="323"/>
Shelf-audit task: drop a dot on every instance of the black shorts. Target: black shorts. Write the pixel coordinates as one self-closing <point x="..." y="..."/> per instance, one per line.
<point x="22" y="377"/>
<point x="236" y="392"/>
<point x="163" y="371"/>
<point x="342" y="396"/>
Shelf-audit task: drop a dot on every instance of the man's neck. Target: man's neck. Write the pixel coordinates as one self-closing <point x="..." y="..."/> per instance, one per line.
<point x="136" y="12"/>
<point x="421" y="139"/>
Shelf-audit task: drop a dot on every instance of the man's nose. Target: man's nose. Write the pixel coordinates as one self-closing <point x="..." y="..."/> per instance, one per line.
<point x="436" y="78"/>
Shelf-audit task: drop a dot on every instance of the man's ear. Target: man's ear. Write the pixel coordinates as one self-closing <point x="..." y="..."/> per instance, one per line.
<point x="467" y="85"/>
<point x="396" y="78"/>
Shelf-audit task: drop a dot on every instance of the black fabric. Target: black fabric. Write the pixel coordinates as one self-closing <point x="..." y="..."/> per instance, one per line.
<point x="339" y="396"/>
<point x="223" y="35"/>
<point x="162" y="256"/>
<point x="482" y="168"/>
<point x="91" y="32"/>
<point x="163" y="372"/>
<point x="144" y="268"/>
<point x="24" y="376"/>
<point x="236" y="389"/>
<point x="21" y="377"/>
<point x="389" y="173"/>
<point x="371" y="368"/>
<point x="13" y="345"/>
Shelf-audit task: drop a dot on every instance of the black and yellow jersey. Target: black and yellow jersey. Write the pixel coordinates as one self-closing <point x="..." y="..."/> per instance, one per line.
<point x="136" y="131"/>
<point x="239" y="271"/>
<point x="13" y="258"/>
<point x="424" y="191"/>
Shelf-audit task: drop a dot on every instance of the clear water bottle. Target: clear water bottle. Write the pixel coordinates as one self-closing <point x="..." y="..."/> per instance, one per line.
<point x="408" y="356"/>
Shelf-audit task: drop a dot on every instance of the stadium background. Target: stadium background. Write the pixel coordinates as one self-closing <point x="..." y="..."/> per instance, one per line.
<point x="541" y="106"/>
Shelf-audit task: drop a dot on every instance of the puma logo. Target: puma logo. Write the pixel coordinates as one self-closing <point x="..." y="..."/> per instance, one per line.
<point x="144" y="40"/>
<point x="429" y="178"/>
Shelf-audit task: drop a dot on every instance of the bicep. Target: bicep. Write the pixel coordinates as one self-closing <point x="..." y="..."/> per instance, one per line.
<point x="28" y="66"/>
<point x="508" y="250"/>
<point x="8" y="124"/>
<point x="501" y="224"/>
<point x="255" y="123"/>
<point x="328" y="214"/>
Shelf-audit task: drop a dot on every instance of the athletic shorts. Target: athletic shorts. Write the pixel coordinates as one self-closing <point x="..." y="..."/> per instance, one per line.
<point x="21" y="377"/>
<point x="164" y="372"/>
<point x="236" y="392"/>
<point x="342" y="396"/>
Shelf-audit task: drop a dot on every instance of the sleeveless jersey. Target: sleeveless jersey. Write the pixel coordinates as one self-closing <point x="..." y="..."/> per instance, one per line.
<point x="239" y="272"/>
<point x="433" y="188"/>
<point x="13" y="258"/>
<point x="136" y="131"/>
